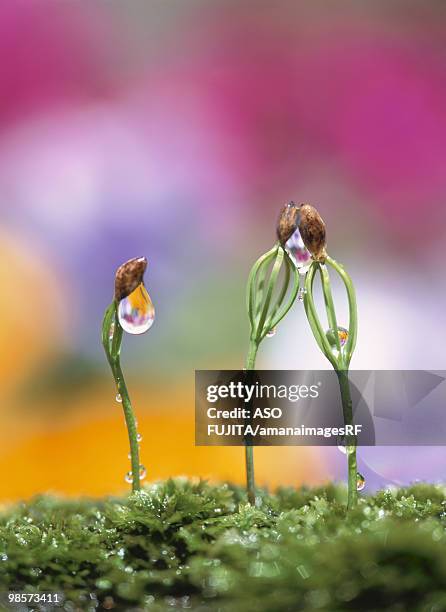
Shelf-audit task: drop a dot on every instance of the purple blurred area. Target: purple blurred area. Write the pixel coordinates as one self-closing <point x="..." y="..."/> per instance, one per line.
<point x="177" y="131"/>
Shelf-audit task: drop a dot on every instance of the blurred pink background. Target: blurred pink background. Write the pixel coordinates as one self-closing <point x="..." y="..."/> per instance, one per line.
<point x="177" y="131"/>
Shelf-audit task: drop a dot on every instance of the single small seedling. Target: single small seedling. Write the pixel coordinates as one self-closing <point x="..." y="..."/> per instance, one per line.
<point x="337" y="343"/>
<point x="132" y="311"/>
<point x="273" y="285"/>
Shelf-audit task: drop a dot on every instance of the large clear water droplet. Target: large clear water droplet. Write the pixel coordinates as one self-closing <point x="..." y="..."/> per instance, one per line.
<point x="142" y="472"/>
<point x="136" y="312"/>
<point x="129" y="477"/>
<point x="118" y="397"/>
<point x="271" y="333"/>
<point x="360" y="481"/>
<point x="297" y="250"/>
<point x="342" y="334"/>
<point x="138" y="437"/>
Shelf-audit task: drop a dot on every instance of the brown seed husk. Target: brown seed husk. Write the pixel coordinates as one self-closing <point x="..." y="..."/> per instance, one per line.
<point x="287" y="222"/>
<point x="312" y="230"/>
<point x="128" y="276"/>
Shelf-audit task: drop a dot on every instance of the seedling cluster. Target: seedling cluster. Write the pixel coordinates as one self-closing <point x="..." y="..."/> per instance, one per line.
<point x="282" y="275"/>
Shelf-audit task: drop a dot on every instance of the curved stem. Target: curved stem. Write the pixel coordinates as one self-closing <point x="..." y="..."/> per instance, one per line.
<point x="353" y="312"/>
<point x="283" y="290"/>
<point x="261" y="332"/>
<point x="112" y="346"/>
<point x="313" y="318"/>
<point x="281" y="312"/>
<point x="252" y="280"/>
<point x="329" y="306"/>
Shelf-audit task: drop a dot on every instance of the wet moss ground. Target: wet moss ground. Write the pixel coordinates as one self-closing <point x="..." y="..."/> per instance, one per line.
<point x="184" y="545"/>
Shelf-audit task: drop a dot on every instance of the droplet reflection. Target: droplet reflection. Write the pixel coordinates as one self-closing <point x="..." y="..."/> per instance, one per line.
<point x="136" y="312"/>
<point x="297" y="250"/>
<point x="360" y="481"/>
<point x="343" y="336"/>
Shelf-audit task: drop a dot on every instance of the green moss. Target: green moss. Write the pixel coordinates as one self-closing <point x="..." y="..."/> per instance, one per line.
<point x="180" y="544"/>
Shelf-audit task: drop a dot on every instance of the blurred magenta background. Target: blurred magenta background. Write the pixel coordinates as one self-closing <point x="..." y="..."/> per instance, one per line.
<point x="177" y="131"/>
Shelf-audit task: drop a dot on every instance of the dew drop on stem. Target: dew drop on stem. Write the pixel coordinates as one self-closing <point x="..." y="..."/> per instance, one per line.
<point x="360" y="481"/>
<point x="342" y="333"/>
<point x="136" y="312"/>
<point x="341" y="445"/>
<point x="301" y="294"/>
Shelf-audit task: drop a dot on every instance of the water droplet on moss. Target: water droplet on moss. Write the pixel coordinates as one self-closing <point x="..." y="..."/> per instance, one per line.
<point x="271" y="333"/>
<point x="360" y="481"/>
<point x="129" y="477"/>
<point x="138" y="437"/>
<point x="118" y="397"/>
<point x="136" y="312"/>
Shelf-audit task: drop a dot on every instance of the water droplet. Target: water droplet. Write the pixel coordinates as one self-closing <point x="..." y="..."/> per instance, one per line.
<point x="118" y="397"/>
<point x="142" y="472"/>
<point x="345" y="447"/>
<point x="360" y="481"/>
<point x="297" y="250"/>
<point x="341" y="445"/>
<point x="136" y="312"/>
<point x="343" y="336"/>
<point x="129" y="477"/>
<point x="271" y="333"/>
<point x="301" y="294"/>
<point x="138" y="437"/>
<point x="111" y="331"/>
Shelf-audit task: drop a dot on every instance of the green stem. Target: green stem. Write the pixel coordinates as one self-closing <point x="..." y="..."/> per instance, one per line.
<point x="112" y="347"/>
<point x="250" y="482"/>
<point x="340" y="359"/>
<point x="249" y="450"/>
<point x="269" y="292"/>
<point x="267" y="301"/>
<point x="252" y="354"/>
<point x="350" y="441"/>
